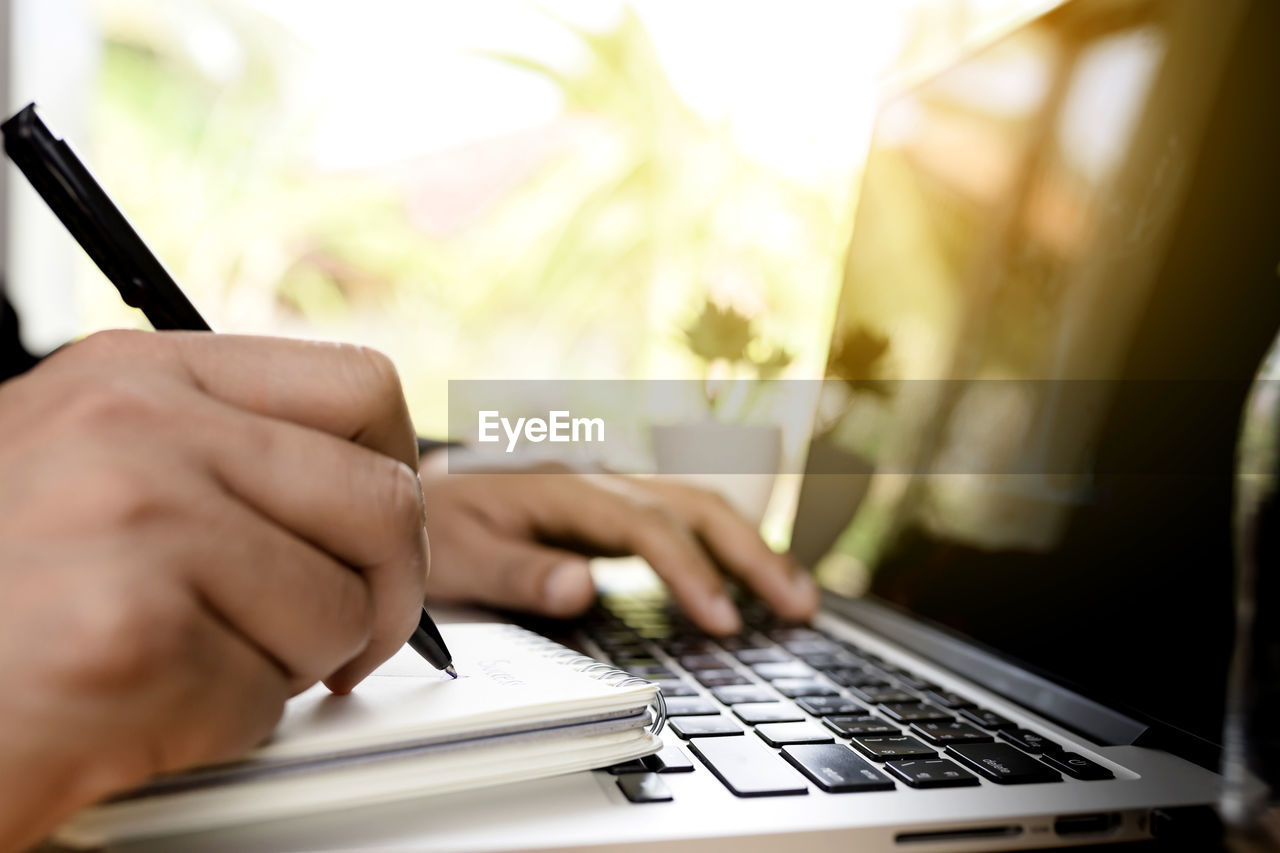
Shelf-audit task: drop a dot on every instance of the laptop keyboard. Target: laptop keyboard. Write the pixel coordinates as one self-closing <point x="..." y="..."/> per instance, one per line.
<point x="779" y="708"/>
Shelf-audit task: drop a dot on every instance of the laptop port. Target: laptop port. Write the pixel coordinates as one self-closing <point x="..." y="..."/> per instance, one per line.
<point x="1086" y="824"/>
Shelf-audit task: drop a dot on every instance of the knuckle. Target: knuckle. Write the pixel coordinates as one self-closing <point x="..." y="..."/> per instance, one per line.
<point x="381" y="376"/>
<point x="131" y="636"/>
<point x="115" y="401"/>
<point x="114" y="497"/>
<point x="402" y="494"/>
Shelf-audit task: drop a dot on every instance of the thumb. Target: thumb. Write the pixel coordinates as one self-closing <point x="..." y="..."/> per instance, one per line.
<point x="516" y="575"/>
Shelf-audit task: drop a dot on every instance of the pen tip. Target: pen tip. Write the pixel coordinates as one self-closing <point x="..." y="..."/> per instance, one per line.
<point x="449" y="669"/>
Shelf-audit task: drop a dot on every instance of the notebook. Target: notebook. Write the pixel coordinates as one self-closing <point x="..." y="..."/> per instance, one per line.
<point x="522" y="708"/>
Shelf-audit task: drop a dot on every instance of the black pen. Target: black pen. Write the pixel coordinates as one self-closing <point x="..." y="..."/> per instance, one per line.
<point x="103" y="232"/>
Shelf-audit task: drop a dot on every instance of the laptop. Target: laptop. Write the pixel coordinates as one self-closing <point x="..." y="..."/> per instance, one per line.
<point x="1066" y="248"/>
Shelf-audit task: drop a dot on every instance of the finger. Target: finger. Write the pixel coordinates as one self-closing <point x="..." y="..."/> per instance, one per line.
<point x="359" y="506"/>
<point x="736" y="545"/>
<point x="348" y="391"/>
<point x="510" y="573"/>
<point x="608" y="514"/>
<point x="304" y="609"/>
<point x="238" y="692"/>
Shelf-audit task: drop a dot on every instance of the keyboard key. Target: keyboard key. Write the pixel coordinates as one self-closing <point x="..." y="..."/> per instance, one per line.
<point x="986" y="719"/>
<point x="675" y="687"/>
<point x="786" y="635"/>
<point x="800" y="648"/>
<point x="855" y="677"/>
<point x="691" y="706"/>
<point x="1001" y="763"/>
<point x="793" y="688"/>
<point x="697" y="663"/>
<point x="882" y="748"/>
<point x="782" y="734"/>
<point x="719" y="677"/>
<point x="644" y="788"/>
<point x="822" y="706"/>
<point x="789" y="669"/>
<point x="747" y="767"/>
<point x="836" y="769"/>
<point x="855" y="725"/>
<point x="769" y="655"/>
<point x="650" y="671"/>
<point x="931" y="773"/>
<point x="735" y="694"/>
<point x="745" y="641"/>
<point x="633" y="766"/>
<point x="1076" y="765"/>
<point x="1030" y="741"/>
<point x="717" y="726"/>
<point x="949" y="731"/>
<point x="669" y="759"/>
<point x="913" y="712"/>
<point x="947" y="699"/>
<point x="767" y="712"/>
<point x="878" y="695"/>
<point x="915" y="682"/>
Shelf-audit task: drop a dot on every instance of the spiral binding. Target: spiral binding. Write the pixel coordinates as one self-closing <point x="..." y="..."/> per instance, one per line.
<point x="600" y="671"/>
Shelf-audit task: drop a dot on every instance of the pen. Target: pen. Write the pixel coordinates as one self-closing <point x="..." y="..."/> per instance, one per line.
<point x="107" y="237"/>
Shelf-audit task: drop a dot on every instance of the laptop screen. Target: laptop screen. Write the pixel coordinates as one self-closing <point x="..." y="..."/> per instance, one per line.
<point x="1060" y="282"/>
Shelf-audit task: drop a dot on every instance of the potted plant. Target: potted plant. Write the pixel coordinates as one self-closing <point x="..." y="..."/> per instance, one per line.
<point x="721" y="450"/>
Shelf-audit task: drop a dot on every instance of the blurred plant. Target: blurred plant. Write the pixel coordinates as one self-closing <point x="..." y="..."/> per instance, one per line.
<point x="856" y="358"/>
<point x="723" y="337"/>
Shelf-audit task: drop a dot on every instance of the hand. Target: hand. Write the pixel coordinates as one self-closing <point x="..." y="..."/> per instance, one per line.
<point x="192" y="528"/>
<point x="517" y="540"/>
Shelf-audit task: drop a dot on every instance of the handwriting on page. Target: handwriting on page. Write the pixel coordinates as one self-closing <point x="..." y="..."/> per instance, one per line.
<point x="498" y="670"/>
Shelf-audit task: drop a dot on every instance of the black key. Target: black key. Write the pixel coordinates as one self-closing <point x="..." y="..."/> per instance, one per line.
<point x="644" y="788"/>
<point x="633" y="766"/>
<point x="800" y="648"/>
<point x="789" y="669"/>
<point x="828" y="660"/>
<point x="854" y="677"/>
<point x="795" y="687"/>
<point x="949" y="731"/>
<point x="678" y="646"/>
<point x="650" y="671"/>
<point x="782" y="734"/>
<point x="691" y="706"/>
<point x="931" y="773"/>
<point x="915" y="682"/>
<point x="769" y="655"/>
<point x="1075" y="764"/>
<point x="669" y="759"/>
<point x="697" y="663"/>
<point x="717" y="726"/>
<point x="947" y="699"/>
<point x="767" y="712"/>
<point x="1030" y="741"/>
<point x="884" y="747"/>
<point x="745" y="641"/>
<point x="878" y="695"/>
<point x="913" y="712"/>
<point x="855" y="725"/>
<point x="675" y="687"/>
<point x="734" y="694"/>
<point x="747" y="767"/>
<point x="1001" y="763"/>
<point x="836" y="769"/>
<point x="823" y="706"/>
<point x="719" y="677"/>
<point x="986" y="719"/>
<point x="786" y="635"/>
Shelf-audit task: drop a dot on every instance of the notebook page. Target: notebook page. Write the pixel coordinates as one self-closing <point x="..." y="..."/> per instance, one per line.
<point x="506" y="682"/>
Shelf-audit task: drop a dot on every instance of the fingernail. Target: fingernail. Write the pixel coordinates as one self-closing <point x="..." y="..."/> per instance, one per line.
<point x="722" y="616"/>
<point x="805" y="586"/>
<point x="567" y="588"/>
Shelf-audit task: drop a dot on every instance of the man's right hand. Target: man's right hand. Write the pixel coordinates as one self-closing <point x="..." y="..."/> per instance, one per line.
<point x="192" y="529"/>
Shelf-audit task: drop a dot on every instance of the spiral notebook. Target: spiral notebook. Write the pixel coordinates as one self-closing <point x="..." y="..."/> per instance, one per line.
<point x="523" y="708"/>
